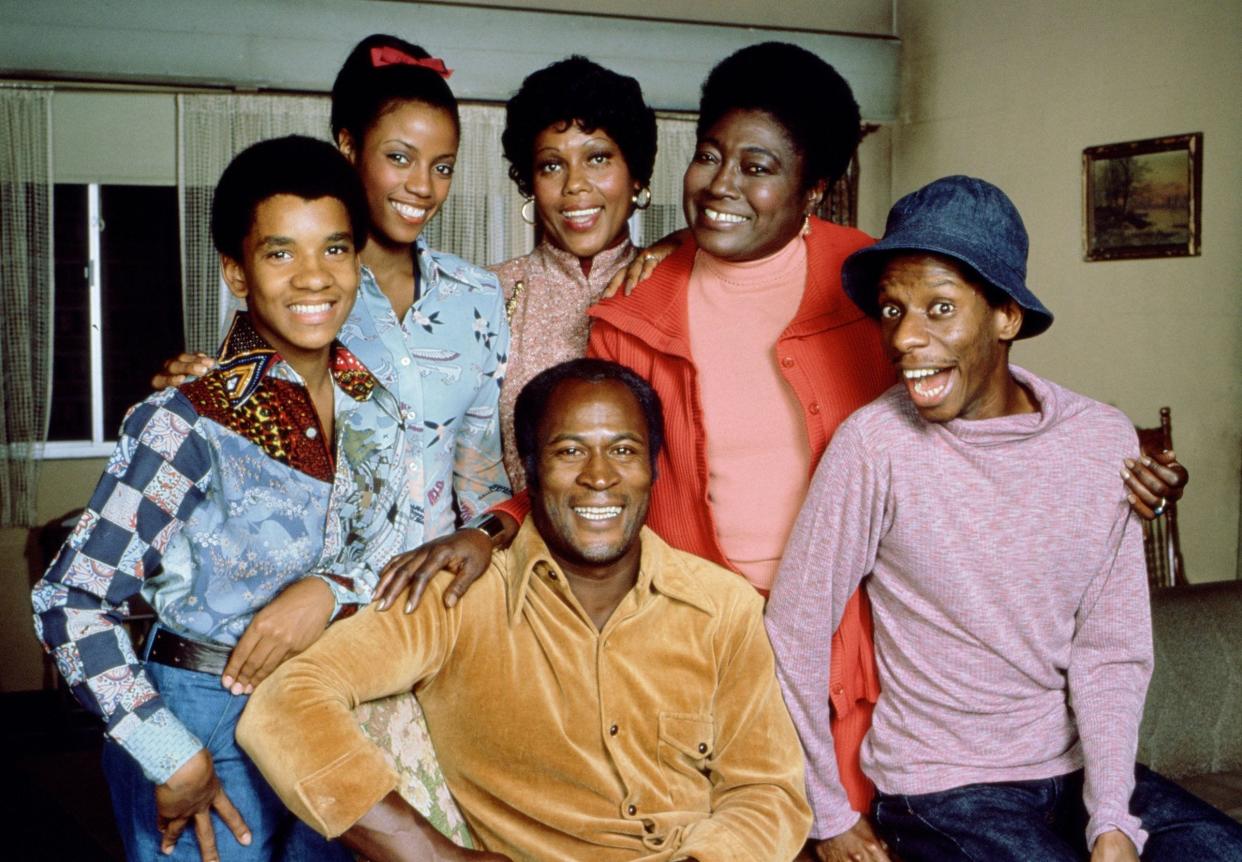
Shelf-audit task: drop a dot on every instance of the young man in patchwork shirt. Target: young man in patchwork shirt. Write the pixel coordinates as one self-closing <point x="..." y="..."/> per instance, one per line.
<point x="250" y="508"/>
<point x="1006" y="575"/>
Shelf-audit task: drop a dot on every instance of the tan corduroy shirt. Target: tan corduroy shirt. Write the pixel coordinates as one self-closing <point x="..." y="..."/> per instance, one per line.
<point x="661" y="737"/>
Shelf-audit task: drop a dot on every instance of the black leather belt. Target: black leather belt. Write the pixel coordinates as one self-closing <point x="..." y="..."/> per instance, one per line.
<point x="176" y="651"/>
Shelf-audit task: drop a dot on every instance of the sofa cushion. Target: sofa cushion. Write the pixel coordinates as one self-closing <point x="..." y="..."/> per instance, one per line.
<point x="1222" y="789"/>
<point x="1191" y="724"/>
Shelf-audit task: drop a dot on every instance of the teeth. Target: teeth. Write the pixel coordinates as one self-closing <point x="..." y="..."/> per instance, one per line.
<point x="409" y="211"/>
<point x="916" y="373"/>
<point x="727" y="218"/>
<point x="317" y="308"/>
<point x="597" y="513"/>
<point x="575" y="214"/>
<point x="929" y="393"/>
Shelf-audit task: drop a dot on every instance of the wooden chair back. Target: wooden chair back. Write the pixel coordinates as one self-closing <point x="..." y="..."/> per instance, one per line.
<point x="1161" y="541"/>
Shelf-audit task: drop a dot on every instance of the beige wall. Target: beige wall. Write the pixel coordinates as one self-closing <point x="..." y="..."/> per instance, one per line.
<point x="873" y="17"/>
<point x="1012" y="91"/>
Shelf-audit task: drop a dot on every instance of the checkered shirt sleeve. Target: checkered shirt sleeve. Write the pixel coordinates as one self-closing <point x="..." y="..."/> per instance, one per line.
<point x="156" y="476"/>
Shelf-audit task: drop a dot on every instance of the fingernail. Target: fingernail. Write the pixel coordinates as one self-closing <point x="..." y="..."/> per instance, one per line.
<point x="245" y="839"/>
<point x="1170" y="453"/>
<point x="250" y="689"/>
<point x="237" y="688"/>
<point x="1129" y="462"/>
<point x="1125" y="474"/>
<point x="1146" y="461"/>
<point x="450" y="599"/>
<point x="226" y="681"/>
<point x="1133" y="499"/>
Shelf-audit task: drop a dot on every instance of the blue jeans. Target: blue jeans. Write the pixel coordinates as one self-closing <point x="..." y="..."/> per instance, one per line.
<point x="1046" y="820"/>
<point x="211" y="714"/>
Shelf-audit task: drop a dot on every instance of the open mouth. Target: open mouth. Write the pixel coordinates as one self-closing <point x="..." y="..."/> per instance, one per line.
<point x="928" y="387"/>
<point x="597" y="513"/>
<point x="721" y="218"/>
<point x="409" y="212"/>
<point x="312" y="312"/>
<point x="581" y="219"/>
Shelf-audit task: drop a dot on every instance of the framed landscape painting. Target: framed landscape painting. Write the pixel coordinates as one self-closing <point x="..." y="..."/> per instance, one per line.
<point x="1142" y="198"/>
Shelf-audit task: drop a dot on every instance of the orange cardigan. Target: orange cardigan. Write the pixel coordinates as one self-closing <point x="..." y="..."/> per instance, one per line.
<point x="832" y="357"/>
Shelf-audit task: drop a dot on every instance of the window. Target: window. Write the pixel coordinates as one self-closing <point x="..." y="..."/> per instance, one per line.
<point x="117" y="308"/>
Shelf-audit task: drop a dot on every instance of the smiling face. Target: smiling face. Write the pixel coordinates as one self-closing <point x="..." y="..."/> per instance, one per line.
<point x="406" y="163"/>
<point x="742" y="191"/>
<point x="589" y="497"/>
<point x="582" y="188"/>
<point x="949" y="345"/>
<point x="298" y="274"/>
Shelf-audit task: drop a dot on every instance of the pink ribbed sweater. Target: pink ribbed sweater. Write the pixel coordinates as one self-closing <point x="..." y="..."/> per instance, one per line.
<point x="759" y="460"/>
<point x="1012" y="621"/>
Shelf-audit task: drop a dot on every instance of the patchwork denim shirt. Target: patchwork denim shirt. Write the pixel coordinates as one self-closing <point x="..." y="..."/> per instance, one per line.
<point x="219" y="494"/>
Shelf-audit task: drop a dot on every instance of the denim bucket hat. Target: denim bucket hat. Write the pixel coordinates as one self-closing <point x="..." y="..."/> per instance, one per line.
<point x="964" y="218"/>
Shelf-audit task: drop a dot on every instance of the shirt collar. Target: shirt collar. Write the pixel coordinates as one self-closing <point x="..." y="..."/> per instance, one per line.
<point x="245" y="358"/>
<point x="659" y="570"/>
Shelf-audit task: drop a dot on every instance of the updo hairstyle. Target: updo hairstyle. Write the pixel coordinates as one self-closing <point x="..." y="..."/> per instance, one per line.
<point x="363" y="92"/>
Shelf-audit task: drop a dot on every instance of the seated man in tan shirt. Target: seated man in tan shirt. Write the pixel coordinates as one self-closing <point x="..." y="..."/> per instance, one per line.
<point x="598" y="695"/>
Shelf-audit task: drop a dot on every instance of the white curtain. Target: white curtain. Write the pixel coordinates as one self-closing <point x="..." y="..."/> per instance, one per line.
<point x="26" y="296"/>
<point x="675" y="139"/>
<point x="480" y="221"/>
<point x="211" y="129"/>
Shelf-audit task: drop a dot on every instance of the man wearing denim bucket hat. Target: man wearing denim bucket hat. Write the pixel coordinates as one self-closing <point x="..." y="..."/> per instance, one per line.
<point x="1005" y="571"/>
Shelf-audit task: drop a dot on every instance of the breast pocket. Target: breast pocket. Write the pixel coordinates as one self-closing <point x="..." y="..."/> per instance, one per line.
<point x="687" y="742"/>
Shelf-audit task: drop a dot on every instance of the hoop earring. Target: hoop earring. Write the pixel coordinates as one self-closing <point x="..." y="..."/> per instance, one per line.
<point x="528" y="211"/>
<point x="642" y="198"/>
<point x="806" y="224"/>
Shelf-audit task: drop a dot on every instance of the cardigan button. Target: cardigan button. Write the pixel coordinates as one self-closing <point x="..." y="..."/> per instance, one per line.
<point x="632" y="810"/>
<point x="814" y="408"/>
<point x="702" y="748"/>
<point x="788" y="362"/>
<point x="838" y="689"/>
<point x="612" y="731"/>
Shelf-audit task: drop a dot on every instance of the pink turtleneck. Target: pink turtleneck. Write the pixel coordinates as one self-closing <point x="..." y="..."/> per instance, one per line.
<point x="757" y="450"/>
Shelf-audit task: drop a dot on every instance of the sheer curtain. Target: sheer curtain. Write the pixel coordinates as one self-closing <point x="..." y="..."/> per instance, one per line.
<point x="25" y="294"/>
<point x="211" y="129"/>
<point x="675" y="140"/>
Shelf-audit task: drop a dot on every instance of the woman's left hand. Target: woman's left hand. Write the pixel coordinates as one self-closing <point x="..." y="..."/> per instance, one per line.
<point x="1154" y="481"/>
<point x="644" y="263"/>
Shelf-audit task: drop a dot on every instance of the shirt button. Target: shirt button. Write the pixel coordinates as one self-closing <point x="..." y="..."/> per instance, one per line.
<point x="788" y="362"/>
<point x="311" y="433"/>
<point x="838" y="689"/>
<point x="405" y="360"/>
<point x="632" y="810"/>
<point x="702" y="748"/>
<point x="612" y="731"/>
<point x="814" y="408"/>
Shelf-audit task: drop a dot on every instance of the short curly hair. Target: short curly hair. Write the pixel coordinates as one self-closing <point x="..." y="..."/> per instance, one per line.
<point x="364" y="92"/>
<point x="580" y="92"/>
<point x="294" y="165"/>
<point x="809" y="98"/>
<point x="532" y="406"/>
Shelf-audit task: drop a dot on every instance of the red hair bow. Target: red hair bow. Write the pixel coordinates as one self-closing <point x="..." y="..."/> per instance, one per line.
<point x="388" y="56"/>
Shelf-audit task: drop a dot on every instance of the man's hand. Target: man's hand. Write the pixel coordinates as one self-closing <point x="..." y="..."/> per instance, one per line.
<point x="1114" y="846"/>
<point x="177" y="370"/>
<point x="858" y="844"/>
<point x="466" y="553"/>
<point x="287" y="625"/>
<point x="191" y="794"/>
<point x="393" y="831"/>
<point x="1151" y="479"/>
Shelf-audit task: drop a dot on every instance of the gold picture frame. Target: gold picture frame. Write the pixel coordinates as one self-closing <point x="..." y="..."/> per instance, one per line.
<point x="1142" y="198"/>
